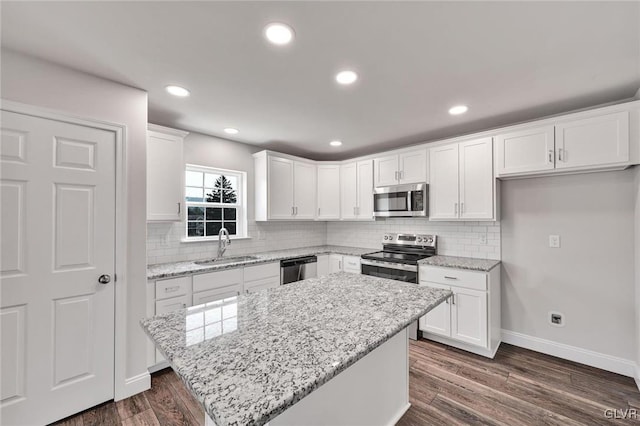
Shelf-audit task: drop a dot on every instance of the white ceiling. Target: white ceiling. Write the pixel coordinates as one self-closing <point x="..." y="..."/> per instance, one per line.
<point x="509" y="61"/>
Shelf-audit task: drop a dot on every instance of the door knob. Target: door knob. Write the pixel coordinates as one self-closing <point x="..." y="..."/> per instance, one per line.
<point x="104" y="279"/>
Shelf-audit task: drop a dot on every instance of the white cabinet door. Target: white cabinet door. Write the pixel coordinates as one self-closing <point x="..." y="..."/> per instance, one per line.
<point x="413" y="166"/>
<point x="443" y="182"/>
<point x="260" y="285"/>
<point x="365" y="190"/>
<point x="386" y="170"/>
<point x="280" y="190"/>
<point x="438" y="320"/>
<point x="469" y="316"/>
<point x="328" y="192"/>
<point x="348" y="190"/>
<point x="165" y="177"/>
<point x="323" y="265"/>
<point x="476" y="179"/>
<point x="351" y="264"/>
<point x="211" y="280"/>
<point x="172" y="304"/>
<point x="335" y="263"/>
<point x="304" y="196"/>
<point x="525" y="151"/>
<point x="593" y="141"/>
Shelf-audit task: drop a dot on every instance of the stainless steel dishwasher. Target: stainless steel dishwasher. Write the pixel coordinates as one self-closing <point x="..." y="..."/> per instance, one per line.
<point x="298" y="268"/>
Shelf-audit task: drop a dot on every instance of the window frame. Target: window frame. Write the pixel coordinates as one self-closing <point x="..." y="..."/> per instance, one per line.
<point x="240" y="205"/>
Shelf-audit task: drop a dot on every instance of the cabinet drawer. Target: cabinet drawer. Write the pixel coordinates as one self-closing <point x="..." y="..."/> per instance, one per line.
<point x="216" y="294"/>
<point x="351" y="264"/>
<point x="258" y="272"/>
<point x="219" y="279"/>
<point x="453" y="277"/>
<point x="172" y="288"/>
<point x="269" y="282"/>
<point x="173" y="304"/>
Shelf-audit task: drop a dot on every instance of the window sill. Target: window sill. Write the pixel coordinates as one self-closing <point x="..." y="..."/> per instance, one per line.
<point x="209" y="239"/>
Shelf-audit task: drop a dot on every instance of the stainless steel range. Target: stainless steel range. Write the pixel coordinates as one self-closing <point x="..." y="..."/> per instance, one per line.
<point x="399" y="257"/>
<point x="398" y="260"/>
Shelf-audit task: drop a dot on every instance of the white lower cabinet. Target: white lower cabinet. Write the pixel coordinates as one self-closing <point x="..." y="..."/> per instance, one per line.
<point x="261" y="277"/>
<point x="323" y="265"/>
<point x="335" y="263"/>
<point x="470" y="318"/>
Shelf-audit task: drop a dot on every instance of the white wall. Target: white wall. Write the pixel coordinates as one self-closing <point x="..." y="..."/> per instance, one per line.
<point x="164" y="239"/>
<point x="637" y="261"/>
<point x="454" y="238"/>
<point x="32" y="81"/>
<point x="590" y="279"/>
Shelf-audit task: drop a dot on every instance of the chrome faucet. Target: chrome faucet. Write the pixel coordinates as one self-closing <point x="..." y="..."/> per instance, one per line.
<point x="222" y="244"/>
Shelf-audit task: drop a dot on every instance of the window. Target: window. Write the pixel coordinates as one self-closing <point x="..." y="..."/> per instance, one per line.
<point x="215" y="199"/>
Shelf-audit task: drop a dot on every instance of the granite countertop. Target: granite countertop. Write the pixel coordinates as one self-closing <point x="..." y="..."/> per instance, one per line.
<point x="176" y="269"/>
<point x="249" y="358"/>
<point x="460" y="263"/>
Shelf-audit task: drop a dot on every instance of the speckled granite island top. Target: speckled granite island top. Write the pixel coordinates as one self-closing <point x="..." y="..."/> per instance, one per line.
<point x="460" y="263"/>
<point x="249" y="358"/>
<point x="175" y="269"/>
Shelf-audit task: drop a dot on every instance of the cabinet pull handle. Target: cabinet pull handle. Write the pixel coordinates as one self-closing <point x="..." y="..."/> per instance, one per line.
<point x="184" y="305"/>
<point x="551" y="156"/>
<point x="455" y="208"/>
<point x="318" y="211"/>
<point x="401" y="174"/>
<point x="450" y="278"/>
<point x="172" y="289"/>
<point x="291" y="210"/>
<point x="560" y="154"/>
<point x="296" y="210"/>
<point x="179" y="208"/>
<point x="354" y="211"/>
<point x="461" y="208"/>
<point x="453" y="299"/>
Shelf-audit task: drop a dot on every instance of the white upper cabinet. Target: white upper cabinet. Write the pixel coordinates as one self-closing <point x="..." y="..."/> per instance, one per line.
<point x="328" y="192"/>
<point x="586" y="142"/>
<point x="593" y="141"/>
<point x="348" y="190"/>
<point x="476" y="179"/>
<point x="304" y="190"/>
<point x="403" y="168"/>
<point x="525" y="151"/>
<point x="461" y="181"/>
<point x="365" y="190"/>
<point x="285" y="189"/>
<point x="165" y="174"/>
<point x="443" y="178"/>
<point x="280" y="193"/>
<point x="356" y="190"/>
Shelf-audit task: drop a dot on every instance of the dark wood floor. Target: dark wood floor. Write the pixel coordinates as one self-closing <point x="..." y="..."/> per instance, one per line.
<point x="447" y="387"/>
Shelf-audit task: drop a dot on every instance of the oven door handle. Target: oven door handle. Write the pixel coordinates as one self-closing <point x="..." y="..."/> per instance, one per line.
<point x="398" y="266"/>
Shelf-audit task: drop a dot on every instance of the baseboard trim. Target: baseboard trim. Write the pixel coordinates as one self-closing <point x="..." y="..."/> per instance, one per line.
<point x="134" y="385"/>
<point x="637" y="376"/>
<point x="572" y="353"/>
<point x="400" y="413"/>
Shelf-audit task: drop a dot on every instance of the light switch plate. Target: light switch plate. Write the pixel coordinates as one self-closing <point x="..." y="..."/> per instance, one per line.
<point x="554" y="241"/>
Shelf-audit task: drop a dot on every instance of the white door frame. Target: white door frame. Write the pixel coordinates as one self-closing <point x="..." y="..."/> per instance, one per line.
<point x="120" y="282"/>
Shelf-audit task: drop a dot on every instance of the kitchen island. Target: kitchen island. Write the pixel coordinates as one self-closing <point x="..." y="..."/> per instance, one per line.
<point x="329" y="350"/>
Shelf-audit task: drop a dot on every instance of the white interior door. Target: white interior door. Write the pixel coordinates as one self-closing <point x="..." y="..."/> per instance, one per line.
<point x="58" y="238"/>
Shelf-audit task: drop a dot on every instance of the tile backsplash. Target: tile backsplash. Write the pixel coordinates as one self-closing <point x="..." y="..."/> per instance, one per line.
<point x="164" y="240"/>
<point x="469" y="239"/>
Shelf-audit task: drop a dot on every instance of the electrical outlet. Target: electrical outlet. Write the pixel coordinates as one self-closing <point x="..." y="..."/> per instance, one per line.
<point x="556" y="319"/>
<point x="554" y="241"/>
<point x="483" y="238"/>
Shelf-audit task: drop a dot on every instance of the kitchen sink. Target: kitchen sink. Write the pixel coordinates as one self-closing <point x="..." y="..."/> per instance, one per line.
<point x="224" y="260"/>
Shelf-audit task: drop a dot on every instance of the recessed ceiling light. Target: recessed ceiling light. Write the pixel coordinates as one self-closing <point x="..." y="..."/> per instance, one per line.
<point x="346" y="77"/>
<point x="279" y="34"/>
<point x="231" y="131"/>
<point x="458" y="109"/>
<point x="335" y="143"/>
<point x="178" y="91"/>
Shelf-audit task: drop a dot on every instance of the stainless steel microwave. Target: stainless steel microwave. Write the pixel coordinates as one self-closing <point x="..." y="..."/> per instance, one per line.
<point x="401" y="200"/>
